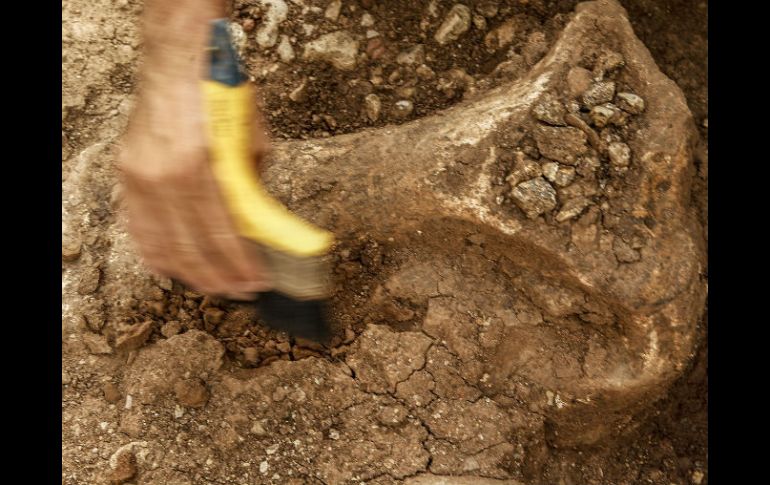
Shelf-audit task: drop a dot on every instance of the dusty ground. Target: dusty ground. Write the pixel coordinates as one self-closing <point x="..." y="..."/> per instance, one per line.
<point x="260" y="407"/>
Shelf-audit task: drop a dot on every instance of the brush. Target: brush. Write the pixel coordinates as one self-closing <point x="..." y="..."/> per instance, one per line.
<point x="295" y="251"/>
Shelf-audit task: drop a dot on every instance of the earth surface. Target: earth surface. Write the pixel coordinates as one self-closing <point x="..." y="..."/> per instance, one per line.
<point x="162" y="385"/>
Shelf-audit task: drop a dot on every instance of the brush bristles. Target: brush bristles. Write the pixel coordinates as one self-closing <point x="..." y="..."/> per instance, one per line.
<point x="302" y="278"/>
<point x="297" y="303"/>
<point x="300" y="318"/>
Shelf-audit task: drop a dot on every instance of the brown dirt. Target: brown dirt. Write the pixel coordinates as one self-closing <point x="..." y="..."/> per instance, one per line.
<point x="413" y="404"/>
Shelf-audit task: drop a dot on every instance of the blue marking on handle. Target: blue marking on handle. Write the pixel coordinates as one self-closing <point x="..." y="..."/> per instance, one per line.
<point x="224" y="66"/>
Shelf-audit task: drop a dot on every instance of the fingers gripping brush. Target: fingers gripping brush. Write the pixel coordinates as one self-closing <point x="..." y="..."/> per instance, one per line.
<point x="295" y="251"/>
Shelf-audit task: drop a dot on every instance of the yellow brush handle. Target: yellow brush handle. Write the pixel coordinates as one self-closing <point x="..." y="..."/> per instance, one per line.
<point x="257" y="215"/>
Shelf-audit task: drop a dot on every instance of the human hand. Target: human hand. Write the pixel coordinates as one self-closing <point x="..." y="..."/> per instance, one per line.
<point x="177" y="215"/>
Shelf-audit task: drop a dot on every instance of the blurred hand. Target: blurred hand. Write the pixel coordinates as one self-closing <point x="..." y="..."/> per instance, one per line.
<point x="177" y="216"/>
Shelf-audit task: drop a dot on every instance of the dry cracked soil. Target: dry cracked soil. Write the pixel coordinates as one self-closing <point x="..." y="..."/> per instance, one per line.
<point x="161" y="385"/>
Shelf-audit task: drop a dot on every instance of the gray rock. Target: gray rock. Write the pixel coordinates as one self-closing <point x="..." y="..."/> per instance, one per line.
<point x="630" y="103"/>
<point x="372" y="106"/>
<point x="564" y="145"/>
<point x="598" y="93"/>
<point x="455" y="24"/>
<point x="534" y="197"/>
<point x="403" y="108"/>
<point x="412" y="56"/>
<point x="620" y="154"/>
<point x="572" y="208"/>
<point x="550" y="111"/>
<point x="337" y="48"/>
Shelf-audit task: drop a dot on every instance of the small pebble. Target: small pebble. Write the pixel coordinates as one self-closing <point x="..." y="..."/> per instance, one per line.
<point x="602" y="114"/>
<point x="534" y="197"/>
<point x="372" y="107"/>
<point x="367" y="20"/>
<point x="285" y="50"/>
<point x="455" y="24"/>
<point x="299" y="94"/>
<point x="333" y="10"/>
<point x="620" y="154"/>
<point x="258" y="429"/>
<point x="425" y="73"/>
<point x="412" y="56"/>
<point x="697" y="477"/>
<point x="403" y="108"/>
<point x="70" y="249"/>
<point x="572" y="208"/>
<point x="630" y="102"/>
<point x="480" y="22"/>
